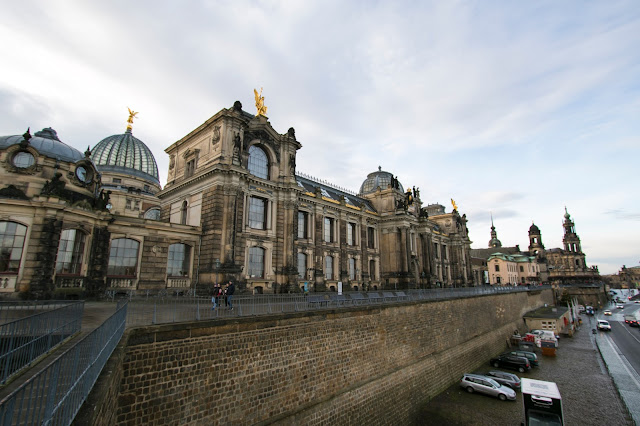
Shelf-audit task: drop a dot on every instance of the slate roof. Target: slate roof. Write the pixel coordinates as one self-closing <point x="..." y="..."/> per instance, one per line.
<point x="334" y="195"/>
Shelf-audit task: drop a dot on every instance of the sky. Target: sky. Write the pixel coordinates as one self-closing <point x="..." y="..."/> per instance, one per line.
<point x="515" y="110"/>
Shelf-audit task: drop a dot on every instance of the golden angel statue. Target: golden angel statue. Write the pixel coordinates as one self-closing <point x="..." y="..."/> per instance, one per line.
<point x="262" y="110"/>
<point x="132" y="115"/>
<point x="455" y="206"/>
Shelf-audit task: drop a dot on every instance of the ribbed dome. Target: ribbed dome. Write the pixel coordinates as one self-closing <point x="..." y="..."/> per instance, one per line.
<point x="126" y="154"/>
<point x="46" y="142"/>
<point x="377" y="179"/>
<point x="534" y="229"/>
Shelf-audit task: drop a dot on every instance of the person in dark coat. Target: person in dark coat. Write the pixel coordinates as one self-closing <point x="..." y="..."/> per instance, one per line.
<point x="231" y="288"/>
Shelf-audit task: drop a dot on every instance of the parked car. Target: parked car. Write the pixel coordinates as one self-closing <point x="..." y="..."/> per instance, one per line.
<point x="482" y="384"/>
<point x="511" y="361"/>
<point x="604" y="325"/>
<point x="607" y="312"/>
<point x="504" y="378"/>
<point x="531" y="356"/>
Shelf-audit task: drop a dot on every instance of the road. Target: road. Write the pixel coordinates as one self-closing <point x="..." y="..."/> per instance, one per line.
<point x="626" y="338"/>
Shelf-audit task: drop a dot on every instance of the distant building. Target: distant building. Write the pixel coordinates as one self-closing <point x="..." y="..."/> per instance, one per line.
<point x="234" y="208"/>
<point x="510" y="265"/>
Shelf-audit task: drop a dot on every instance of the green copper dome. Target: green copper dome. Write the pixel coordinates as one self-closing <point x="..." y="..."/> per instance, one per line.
<point x="126" y="154"/>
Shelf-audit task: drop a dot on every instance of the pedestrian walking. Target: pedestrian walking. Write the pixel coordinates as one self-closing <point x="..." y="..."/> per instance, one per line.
<point x="213" y="300"/>
<point x="229" y="291"/>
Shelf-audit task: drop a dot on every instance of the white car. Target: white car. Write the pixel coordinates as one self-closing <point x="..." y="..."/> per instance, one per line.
<point x="620" y="306"/>
<point x="607" y="312"/>
<point x="604" y="325"/>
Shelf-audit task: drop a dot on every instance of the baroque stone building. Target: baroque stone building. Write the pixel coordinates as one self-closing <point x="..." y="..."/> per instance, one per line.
<point x="510" y="265"/>
<point x="233" y="208"/>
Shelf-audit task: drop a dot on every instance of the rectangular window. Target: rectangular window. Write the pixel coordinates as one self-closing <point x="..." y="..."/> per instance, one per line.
<point x="521" y="269"/>
<point x="436" y="251"/>
<point x="351" y="234"/>
<point x="302" y="224"/>
<point x="328" y="268"/>
<point x="328" y="229"/>
<point x="302" y="266"/>
<point x="497" y="268"/>
<point x="371" y="241"/>
<point x="257" y="213"/>
<point x="352" y="269"/>
<point x="117" y="180"/>
<point x="372" y="269"/>
<point x="444" y="252"/>
<point x="127" y="204"/>
<point x="256" y="262"/>
<point x="70" y="252"/>
<point x="179" y="260"/>
<point x="190" y="168"/>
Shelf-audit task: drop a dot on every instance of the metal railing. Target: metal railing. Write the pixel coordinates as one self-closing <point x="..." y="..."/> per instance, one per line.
<point x="54" y="396"/>
<point x="26" y="339"/>
<point x="166" y="309"/>
<point x="11" y="311"/>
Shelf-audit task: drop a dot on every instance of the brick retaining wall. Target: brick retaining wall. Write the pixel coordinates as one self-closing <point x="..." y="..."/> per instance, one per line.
<point x="370" y="365"/>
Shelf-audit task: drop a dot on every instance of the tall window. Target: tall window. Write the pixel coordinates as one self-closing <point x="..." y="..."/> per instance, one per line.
<point x="372" y="269"/>
<point x="183" y="213"/>
<point x="302" y="224"/>
<point x="351" y="234"/>
<point x="256" y="262"/>
<point x="497" y="268"/>
<point x="179" y="260"/>
<point x="258" y="162"/>
<point x="257" y="213"/>
<point x="11" y="243"/>
<point x="436" y="251"/>
<point x="70" y="252"/>
<point x="328" y="267"/>
<point x="352" y="269"/>
<point x="371" y="240"/>
<point x="123" y="257"/>
<point x="444" y="252"/>
<point x="328" y="229"/>
<point x="190" y="168"/>
<point x="302" y="265"/>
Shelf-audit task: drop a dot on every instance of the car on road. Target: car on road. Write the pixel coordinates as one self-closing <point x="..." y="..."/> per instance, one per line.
<point x="632" y="319"/>
<point x="604" y="325"/>
<point x="607" y="312"/>
<point x="620" y="306"/>
<point x="511" y="361"/>
<point x="531" y="356"/>
<point x="504" y="378"/>
<point x="589" y="310"/>
<point x="482" y="384"/>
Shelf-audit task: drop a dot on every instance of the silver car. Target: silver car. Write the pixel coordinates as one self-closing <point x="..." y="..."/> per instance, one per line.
<point x="482" y="384"/>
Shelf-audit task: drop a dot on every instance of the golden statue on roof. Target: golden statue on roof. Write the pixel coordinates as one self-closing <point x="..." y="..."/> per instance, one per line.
<point x="262" y="109"/>
<point x="132" y="115"/>
<point x="455" y="206"/>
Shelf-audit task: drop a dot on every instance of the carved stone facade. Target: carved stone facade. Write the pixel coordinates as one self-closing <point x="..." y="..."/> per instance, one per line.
<point x="234" y="208"/>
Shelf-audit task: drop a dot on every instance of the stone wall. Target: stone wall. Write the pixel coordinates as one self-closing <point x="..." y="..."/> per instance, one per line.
<point x="356" y="366"/>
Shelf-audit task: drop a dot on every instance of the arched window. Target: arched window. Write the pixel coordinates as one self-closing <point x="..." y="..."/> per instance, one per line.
<point x="302" y="265"/>
<point x="183" y="213"/>
<point x="70" y="252"/>
<point x="258" y="162"/>
<point x="179" y="260"/>
<point x="11" y="243"/>
<point x="153" y="214"/>
<point x="328" y="267"/>
<point x="123" y="257"/>
<point x="256" y="262"/>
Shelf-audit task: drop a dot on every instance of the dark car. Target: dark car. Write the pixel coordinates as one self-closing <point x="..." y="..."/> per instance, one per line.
<point x="504" y="378"/>
<point x="532" y="357"/>
<point x="511" y="361"/>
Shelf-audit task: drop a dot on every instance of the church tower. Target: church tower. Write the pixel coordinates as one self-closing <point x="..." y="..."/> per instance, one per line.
<point x="494" y="242"/>
<point x="535" y="241"/>
<point x="571" y="240"/>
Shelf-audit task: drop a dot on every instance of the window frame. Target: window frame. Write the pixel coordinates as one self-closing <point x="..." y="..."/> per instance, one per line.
<point x="76" y="253"/>
<point x="328" y="267"/>
<point x="256" y="252"/>
<point x="124" y="270"/>
<point x="302" y="272"/>
<point x="328" y="231"/>
<point x="9" y="264"/>
<point x="252" y="212"/>
<point x="258" y="167"/>
<point x="303" y="230"/>
<point x="182" y="264"/>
